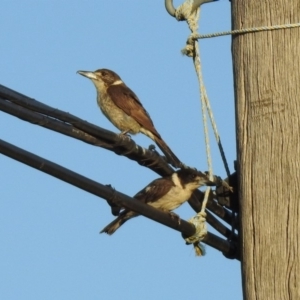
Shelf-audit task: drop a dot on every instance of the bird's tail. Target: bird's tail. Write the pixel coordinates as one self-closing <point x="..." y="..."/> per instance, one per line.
<point x="119" y="221"/>
<point x="171" y="157"/>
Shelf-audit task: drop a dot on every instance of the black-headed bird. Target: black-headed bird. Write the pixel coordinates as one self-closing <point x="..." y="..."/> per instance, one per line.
<point x="165" y="193"/>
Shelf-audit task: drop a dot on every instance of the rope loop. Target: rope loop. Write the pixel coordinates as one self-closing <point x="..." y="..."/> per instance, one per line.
<point x="199" y="221"/>
<point x="184" y="11"/>
<point x="192" y="49"/>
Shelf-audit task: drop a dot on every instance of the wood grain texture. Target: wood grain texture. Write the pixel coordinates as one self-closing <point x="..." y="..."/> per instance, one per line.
<point x="267" y="91"/>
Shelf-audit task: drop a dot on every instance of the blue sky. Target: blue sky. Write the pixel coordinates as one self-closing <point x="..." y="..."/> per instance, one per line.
<point x="50" y="243"/>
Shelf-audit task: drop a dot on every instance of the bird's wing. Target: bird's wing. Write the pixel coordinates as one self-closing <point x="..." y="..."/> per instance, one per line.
<point x="155" y="190"/>
<point x="128" y="101"/>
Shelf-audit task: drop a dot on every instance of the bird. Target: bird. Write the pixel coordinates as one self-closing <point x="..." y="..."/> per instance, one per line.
<point x="165" y="193"/>
<point x="123" y="108"/>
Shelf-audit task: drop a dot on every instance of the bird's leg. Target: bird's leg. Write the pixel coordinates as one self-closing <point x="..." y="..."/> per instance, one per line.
<point x="153" y="149"/>
<point x="125" y="133"/>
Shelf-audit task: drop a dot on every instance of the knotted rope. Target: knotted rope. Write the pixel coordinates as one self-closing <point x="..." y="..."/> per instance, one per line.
<point x="186" y="12"/>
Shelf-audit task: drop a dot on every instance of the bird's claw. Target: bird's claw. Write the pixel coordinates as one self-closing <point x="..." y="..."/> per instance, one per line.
<point x="125" y="133"/>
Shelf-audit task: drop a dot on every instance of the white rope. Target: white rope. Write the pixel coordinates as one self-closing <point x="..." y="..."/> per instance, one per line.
<point x="192" y="49"/>
<point x="185" y="12"/>
<point x="199" y="221"/>
<point x="246" y="30"/>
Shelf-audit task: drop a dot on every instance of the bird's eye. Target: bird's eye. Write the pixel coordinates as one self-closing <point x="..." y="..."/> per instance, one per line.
<point x="104" y="73"/>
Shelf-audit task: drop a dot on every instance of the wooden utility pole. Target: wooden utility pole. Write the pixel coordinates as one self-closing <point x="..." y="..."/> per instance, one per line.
<point x="267" y="92"/>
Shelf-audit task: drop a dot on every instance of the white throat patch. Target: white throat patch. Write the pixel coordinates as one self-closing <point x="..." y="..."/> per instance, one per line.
<point x="117" y="82"/>
<point x="176" y="180"/>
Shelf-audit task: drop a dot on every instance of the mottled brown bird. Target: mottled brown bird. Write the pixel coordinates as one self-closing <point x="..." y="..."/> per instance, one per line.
<point x="123" y="108"/>
<point x="166" y="193"/>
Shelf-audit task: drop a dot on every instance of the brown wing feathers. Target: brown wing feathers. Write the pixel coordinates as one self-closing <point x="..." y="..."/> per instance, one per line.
<point x="171" y="157"/>
<point x="151" y="193"/>
<point x="128" y="101"/>
<point x="154" y="190"/>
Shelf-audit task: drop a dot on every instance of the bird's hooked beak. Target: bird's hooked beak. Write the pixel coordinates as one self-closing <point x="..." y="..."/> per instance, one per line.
<point x="211" y="183"/>
<point x="205" y="175"/>
<point x="88" y="74"/>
